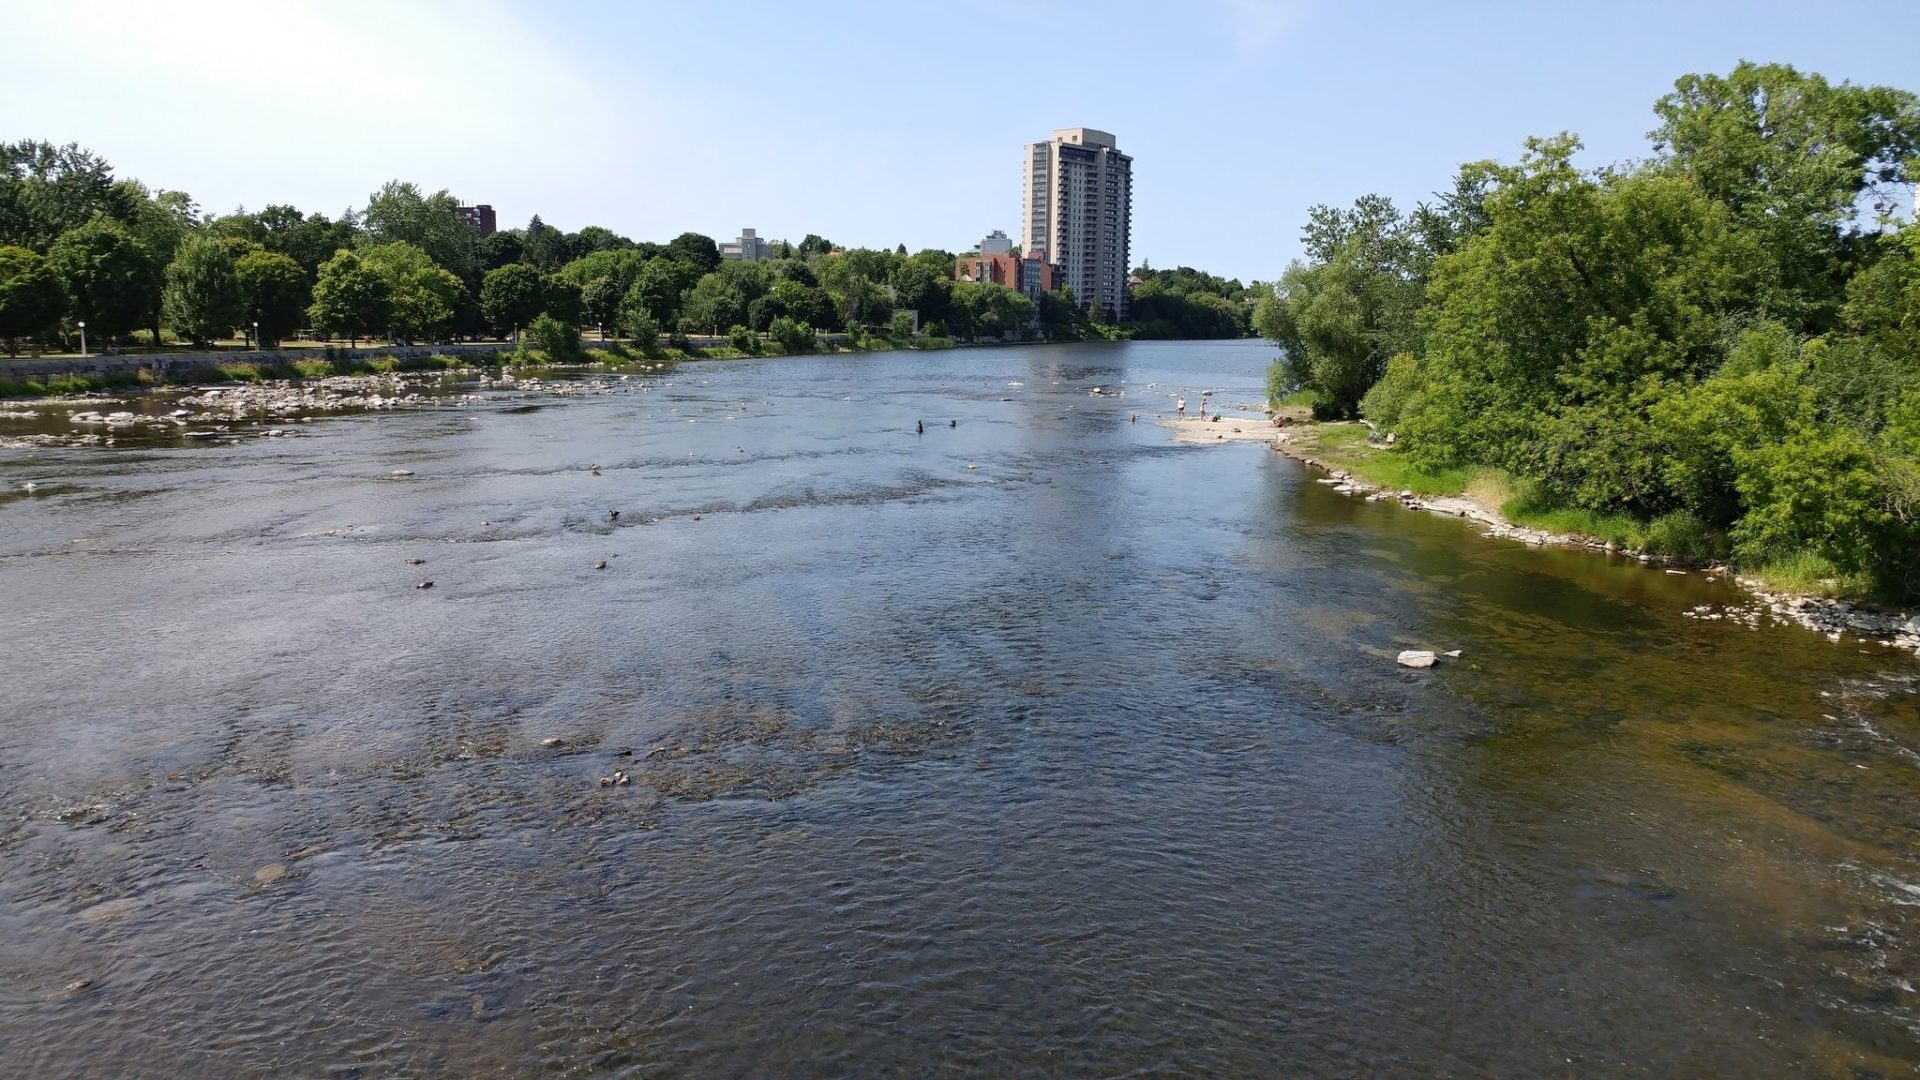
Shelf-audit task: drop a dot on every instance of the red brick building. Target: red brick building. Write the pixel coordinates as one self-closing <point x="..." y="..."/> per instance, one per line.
<point x="1030" y="273"/>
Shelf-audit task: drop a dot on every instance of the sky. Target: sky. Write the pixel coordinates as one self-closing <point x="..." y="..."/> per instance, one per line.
<point x="879" y="123"/>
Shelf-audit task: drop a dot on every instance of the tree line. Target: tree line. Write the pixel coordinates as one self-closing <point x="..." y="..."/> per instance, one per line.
<point x="1721" y="339"/>
<point x="79" y="245"/>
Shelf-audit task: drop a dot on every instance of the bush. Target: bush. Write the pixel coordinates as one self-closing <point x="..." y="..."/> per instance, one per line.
<point x="558" y="340"/>
<point x="1389" y="397"/>
<point x="1816" y="492"/>
<point x="743" y="339"/>
<point x="791" y="336"/>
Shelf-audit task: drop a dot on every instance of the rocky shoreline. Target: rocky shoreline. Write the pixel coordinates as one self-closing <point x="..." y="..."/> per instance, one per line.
<point x="272" y="407"/>
<point x="1835" y="619"/>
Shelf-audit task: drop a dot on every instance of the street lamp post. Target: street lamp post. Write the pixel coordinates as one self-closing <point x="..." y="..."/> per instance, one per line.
<point x="256" y="333"/>
<point x="83" y="337"/>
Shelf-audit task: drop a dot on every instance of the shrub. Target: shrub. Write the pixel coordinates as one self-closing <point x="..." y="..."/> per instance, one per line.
<point x="1815" y="492"/>
<point x="791" y="336"/>
<point x="558" y="340"/>
<point x="743" y="339"/>
<point x="1389" y="397"/>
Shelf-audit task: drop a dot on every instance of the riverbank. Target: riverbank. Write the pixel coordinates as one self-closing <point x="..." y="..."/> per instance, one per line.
<point x="1357" y="467"/>
<point x="212" y="369"/>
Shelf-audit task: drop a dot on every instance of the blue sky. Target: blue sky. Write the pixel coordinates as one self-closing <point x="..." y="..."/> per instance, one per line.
<point x="879" y="123"/>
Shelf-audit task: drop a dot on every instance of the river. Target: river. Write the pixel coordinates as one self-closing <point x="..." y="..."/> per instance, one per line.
<point x="1030" y="745"/>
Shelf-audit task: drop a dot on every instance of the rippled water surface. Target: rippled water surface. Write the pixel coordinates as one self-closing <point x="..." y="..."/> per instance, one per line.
<point x="1034" y="745"/>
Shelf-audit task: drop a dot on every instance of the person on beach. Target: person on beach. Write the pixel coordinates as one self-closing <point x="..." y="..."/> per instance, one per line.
<point x="1204" y="395"/>
<point x="1180" y="408"/>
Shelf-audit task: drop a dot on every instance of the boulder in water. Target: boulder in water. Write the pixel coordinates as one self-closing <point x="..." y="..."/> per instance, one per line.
<point x="1417" y="658"/>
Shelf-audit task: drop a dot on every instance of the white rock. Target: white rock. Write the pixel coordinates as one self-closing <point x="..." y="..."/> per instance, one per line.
<point x="1417" y="658"/>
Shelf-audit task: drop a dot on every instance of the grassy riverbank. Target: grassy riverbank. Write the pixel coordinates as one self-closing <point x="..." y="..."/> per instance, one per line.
<point x="1523" y="503"/>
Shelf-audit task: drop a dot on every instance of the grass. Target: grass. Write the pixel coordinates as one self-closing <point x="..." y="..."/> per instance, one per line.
<point x="1523" y="502"/>
<point x="1807" y="574"/>
<point x="1344" y="446"/>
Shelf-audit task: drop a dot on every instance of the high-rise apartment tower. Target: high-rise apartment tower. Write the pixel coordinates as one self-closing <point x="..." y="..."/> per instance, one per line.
<point x="1079" y="210"/>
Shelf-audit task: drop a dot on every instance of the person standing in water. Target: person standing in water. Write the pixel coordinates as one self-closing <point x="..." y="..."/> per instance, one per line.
<point x="1180" y="407"/>
<point x="919" y="428"/>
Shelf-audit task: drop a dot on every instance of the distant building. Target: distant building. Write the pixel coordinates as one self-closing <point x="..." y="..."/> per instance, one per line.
<point x="1079" y="210"/>
<point x="997" y="243"/>
<point x="749" y="248"/>
<point x="478" y="218"/>
<point x="1030" y="273"/>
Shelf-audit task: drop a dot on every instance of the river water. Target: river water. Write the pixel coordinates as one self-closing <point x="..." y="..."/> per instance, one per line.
<point x="1035" y="745"/>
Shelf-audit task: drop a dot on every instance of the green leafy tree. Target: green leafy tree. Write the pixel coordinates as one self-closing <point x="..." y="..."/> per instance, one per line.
<point x="275" y="294"/>
<point x="601" y="299"/>
<point x="544" y="247"/>
<point x="203" y="297"/>
<point x="697" y="251"/>
<point x="110" y="278"/>
<point x="1580" y="298"/>
<point x="1883" y="300"/>
<point x="422" y="296"/>
<point x="400" y="214"/>
<point x="1792" y="156"/>
<point x="500" y="249"/>
<point x="31" y="296"/>
<point x="563" y="299"/>
<point x="47" y="191"/>
<point x="594" y="238"/>
<point x="637" y="322"/>
<point x="350" y="298"/>
<point x="763" y="310"/>
<point x="743" y="339"/>
<point x="663" y="283"/>
<point x="714" y="302"/>
<point x="1339" y="319"/>
<point x="512" y="296"/>
<point x="924" y="288"/>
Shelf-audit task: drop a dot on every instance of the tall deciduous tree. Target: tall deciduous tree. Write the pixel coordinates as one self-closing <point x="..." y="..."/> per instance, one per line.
<point x="1794" y="157"/>
<point x="662" y="283"/>
<point x="109" y="276"/>
<point x="714" y="304"/>
<point x="699" y="252"/>
<point x="423" y="296"/>
<point x="349" y="297"/>
<point x="275" y="292"/>
<point x="31" y="296"/>
<point x="601" y="300"/>
<point x="203" y="298"/>
<point x="48" y="190"/>
<point x="511" y="297"/>
<point x="399" y="213"/>
<point x="544" y="247"/>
